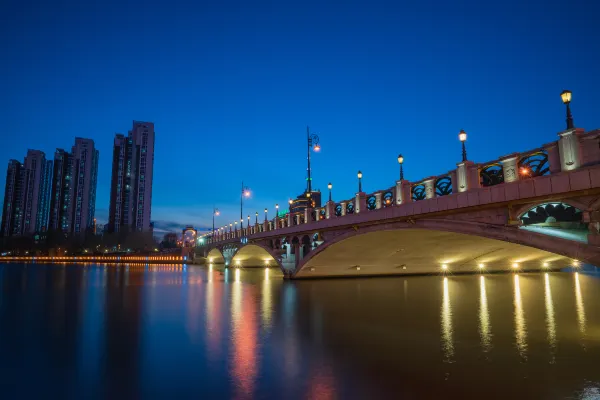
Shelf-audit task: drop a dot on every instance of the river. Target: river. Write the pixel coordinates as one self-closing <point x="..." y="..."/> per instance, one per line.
<point x="97" y="331"/>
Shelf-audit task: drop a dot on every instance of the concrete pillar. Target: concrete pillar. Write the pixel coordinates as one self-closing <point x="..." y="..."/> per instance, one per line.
<point x="276" y="225"/>
<point x="406" y="191"/>
<point x="593" y="219"/>
<point x="343" y="204"/>
<point x="329" y="209"/>
<point x="569" y="149"/>
<point x="360" y="203"/>
<point x="462" y="181"/>
<point x="399" y="194"/>
<point x="510" y="167"/>
<point x="553" y="157"/>
<point x="429" y="184"/>
<point x="378" y="200"/>
<point x="289" y="219"/>
<point x="307" y="215"/>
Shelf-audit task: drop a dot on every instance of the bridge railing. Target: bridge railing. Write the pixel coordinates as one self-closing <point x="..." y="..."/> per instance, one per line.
<point x="573" y="150"/>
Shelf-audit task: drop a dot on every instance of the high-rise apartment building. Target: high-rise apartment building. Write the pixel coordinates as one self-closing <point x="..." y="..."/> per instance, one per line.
<point x="26" y="195"/>
<point x="131" y="184"/>
<point x="10" y="216"/>
<point x="74" y="181"/>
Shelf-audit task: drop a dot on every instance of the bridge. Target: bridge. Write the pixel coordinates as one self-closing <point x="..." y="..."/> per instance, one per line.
<point x="524" y="211"/>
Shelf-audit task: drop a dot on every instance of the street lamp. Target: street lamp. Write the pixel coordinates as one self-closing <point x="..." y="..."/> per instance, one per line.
<point x="401" y="161"/>
<point x="462" y="136"/>
<point x="276" y="210"/>
<point x="257" y="218"/>
<point x="566" y="98"/>
<point x="359" y="182"/>
<point x="329" y="186"/>
<point x="217" y="213"/>
<point x="244" y="193"/>
<point x="248" y="221"/>
<point x="265" y="214"/>
<point x="312" y="140"/>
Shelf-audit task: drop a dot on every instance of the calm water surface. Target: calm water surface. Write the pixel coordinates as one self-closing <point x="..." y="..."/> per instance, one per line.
<point x="136" y="332"/>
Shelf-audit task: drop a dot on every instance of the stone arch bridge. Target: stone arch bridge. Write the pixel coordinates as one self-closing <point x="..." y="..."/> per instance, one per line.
<point x="525" y="211"/>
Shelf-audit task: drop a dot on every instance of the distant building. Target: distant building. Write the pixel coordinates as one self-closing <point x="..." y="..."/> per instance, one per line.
<point x="26" y="194"/>
<point x="74" y="181"/>
<point x="10" y="217"/>
<point x="300" y="203"/>
<point x="131" y="183"/>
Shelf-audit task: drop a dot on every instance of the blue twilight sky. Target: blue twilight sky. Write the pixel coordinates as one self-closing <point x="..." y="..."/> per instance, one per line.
<point x="231" y="86"/>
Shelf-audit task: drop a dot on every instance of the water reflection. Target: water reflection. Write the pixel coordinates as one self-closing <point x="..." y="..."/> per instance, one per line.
<point x="520" y="325"/>
<point x="581" y="322"/>
<point x="113" y="332"/>
<point x="550" y="322"/>
<point x="244" y="339"/>
<point x="485" y="327"/>
<point x="446" y="316"/>
<point x="266" y="298"/>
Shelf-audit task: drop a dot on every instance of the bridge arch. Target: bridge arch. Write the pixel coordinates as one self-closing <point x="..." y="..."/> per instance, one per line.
<point x="215" y="256"/>
<point x="423" y="246"/>
<point x="255" y="255"/>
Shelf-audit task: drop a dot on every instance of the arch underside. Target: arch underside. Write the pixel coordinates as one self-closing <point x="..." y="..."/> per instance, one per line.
<point x="252" y="255"/>
<point x="215" y="256"/>
<point x="423" y="251"/>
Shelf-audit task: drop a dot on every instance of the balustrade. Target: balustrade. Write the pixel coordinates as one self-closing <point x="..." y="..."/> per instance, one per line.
<point x="566" y="154"/>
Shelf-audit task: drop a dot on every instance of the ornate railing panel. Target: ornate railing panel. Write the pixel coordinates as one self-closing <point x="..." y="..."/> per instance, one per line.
<point x="491" y="175"/>
<point x="418" y="192"/>
<point x="371" y="202"/>
<point x="443" y="186"/>
<point x="322" y="213"/>
<point x="338" y="210"/>
<point x="350" y="208"/>
<point x="387" y="199"/>
<point x="534" y="164"/>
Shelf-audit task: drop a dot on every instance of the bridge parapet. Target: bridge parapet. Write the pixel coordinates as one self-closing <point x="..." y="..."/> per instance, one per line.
<point x="571" y="164"/>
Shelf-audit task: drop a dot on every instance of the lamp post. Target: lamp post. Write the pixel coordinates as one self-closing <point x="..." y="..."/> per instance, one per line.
<point x="217" y="213"/>
<point x="312" y="140"/>
<point x="244" y="193"/>
<point x="566" y="98"/>
<point x="329" y="186"/>
<point x="248" y="221"/>
<point x="462" y="136"/>
<point x="265" y="214"/>
<point x="276" y="210"/>
<point x="359" y="181"/>
<point x="401" y="161"/>
<point x="257" y="218"/>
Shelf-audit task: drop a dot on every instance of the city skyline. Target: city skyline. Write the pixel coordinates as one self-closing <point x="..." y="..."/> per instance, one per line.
<point x="232" y="89"/>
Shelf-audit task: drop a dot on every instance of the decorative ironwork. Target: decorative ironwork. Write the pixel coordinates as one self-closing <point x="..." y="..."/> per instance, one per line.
<point x="443" y="186"/>
<point x="551" y="213"/>
<point x="371" y="202"/>
<point x="387" y="200"/>
<point x="313" y="215"/>
<point x="418" y="192"/>
<point x="322" y="214"/>
<point x="491" y="175"/>
<point x="534" y="164"/>
<point x="338" y="210"/>
<point x="350" y="208"/>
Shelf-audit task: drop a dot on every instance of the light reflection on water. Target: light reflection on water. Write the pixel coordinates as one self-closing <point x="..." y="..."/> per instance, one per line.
<point x="520" y="324"/>
<point x="106" y="332"/>
<point x="446" y="316"/>
<point x="485" y="326"/>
